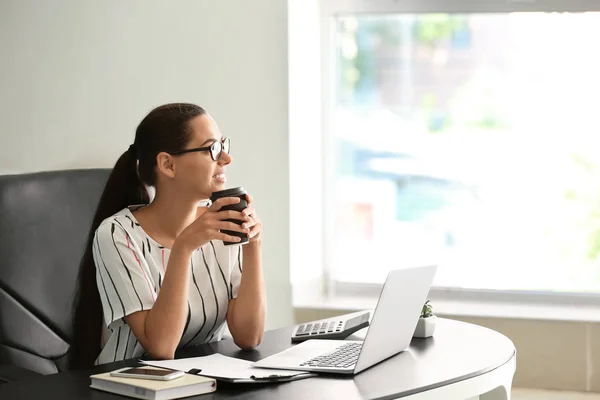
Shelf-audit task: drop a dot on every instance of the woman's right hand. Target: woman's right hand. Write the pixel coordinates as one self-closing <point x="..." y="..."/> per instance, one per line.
<point x="208" y="226"/>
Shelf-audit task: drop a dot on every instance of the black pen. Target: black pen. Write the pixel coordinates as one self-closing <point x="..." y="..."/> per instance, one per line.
<point x="194" y="371"/>
<point x="268" y="377"/>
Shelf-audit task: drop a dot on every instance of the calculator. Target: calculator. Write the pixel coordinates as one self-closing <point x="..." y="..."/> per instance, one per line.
<point x="333" y="328"/>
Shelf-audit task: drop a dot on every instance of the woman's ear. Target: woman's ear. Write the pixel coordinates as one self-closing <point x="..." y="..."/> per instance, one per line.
<point x="165" y="164"/>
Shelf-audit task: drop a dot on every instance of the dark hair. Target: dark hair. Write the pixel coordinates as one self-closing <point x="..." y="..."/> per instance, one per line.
<point x="165" y="128"/>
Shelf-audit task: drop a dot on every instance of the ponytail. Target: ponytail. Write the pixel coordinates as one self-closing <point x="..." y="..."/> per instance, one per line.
<point x="122" y="189"/>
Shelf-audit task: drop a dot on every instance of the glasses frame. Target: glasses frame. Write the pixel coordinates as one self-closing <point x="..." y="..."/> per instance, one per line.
<point x="224" y="145"/>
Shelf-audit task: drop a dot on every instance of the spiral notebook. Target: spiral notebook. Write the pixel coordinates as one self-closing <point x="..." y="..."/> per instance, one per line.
<point x="230" y="369"/>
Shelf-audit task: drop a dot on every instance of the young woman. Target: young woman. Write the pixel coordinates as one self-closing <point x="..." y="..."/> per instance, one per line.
<point x="156" y="276"/>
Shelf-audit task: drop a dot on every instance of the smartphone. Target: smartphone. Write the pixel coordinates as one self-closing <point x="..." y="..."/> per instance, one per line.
<point x="147" y="373"/>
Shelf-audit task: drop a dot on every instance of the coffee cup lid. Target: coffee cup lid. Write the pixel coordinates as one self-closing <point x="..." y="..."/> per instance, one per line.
<point x="228" y="193"/>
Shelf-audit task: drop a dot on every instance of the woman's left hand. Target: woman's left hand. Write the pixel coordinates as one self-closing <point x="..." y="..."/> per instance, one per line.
<point x="252" y="222"/>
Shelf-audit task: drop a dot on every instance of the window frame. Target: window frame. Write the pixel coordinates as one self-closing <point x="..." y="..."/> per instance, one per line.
<point x="330" y="9"/>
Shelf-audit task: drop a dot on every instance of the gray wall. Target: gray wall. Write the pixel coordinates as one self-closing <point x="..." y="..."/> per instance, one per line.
<point x="77" y="76"/>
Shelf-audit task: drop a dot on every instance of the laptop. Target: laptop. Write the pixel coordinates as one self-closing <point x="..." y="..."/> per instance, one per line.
<point x="392" y="327"/>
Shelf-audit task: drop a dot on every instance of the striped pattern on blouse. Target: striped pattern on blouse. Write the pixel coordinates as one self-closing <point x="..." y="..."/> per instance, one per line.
<point x="130" y="268"/>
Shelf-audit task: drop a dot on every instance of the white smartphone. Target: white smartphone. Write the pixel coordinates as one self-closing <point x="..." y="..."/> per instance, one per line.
<point x="147" y="373"/>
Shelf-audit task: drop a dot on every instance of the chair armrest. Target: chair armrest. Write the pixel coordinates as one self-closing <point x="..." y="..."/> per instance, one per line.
<point x="11" y="373"/>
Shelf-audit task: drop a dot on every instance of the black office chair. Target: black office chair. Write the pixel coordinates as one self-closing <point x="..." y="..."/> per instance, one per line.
<point x="44" y="221"/>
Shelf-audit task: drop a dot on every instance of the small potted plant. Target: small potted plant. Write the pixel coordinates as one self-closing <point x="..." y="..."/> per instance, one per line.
<point x="426" y="325"/>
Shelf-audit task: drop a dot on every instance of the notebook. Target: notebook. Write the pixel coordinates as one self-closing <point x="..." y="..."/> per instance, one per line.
<point x="230" y="369"/>
<point x="187" y="385"/>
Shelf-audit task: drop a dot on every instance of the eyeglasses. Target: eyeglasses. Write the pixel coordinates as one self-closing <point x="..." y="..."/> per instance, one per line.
<point x="216" y="149"/>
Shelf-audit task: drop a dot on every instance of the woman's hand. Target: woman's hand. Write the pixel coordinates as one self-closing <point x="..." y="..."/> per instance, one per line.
<point x="252" y="223"/>
<point x="208" y="226"/>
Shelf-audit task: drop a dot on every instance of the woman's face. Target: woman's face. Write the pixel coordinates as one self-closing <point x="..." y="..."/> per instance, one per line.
<point x="197" y="171"/>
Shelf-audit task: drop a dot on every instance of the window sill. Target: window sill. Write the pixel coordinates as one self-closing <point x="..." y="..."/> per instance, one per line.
<point x="461" y="307"/>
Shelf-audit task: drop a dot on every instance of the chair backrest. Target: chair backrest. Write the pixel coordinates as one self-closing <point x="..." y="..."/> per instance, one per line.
<point x="45" y="218"/>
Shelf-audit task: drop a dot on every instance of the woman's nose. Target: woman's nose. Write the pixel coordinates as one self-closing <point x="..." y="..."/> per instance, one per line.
<point x="224" y="159"/>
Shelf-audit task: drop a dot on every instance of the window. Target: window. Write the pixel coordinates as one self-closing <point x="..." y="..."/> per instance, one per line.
<point x="465" y="135"/>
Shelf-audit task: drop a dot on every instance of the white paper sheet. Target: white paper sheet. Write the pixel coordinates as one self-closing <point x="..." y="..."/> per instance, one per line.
<point x="220" y="366"/>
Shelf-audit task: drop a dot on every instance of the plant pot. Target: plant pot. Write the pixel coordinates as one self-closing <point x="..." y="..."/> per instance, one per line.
<point x="425" y="327"/>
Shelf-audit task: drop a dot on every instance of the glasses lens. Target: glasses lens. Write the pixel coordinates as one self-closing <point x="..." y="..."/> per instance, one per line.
<point x="226" y="145"/>
<point x="215" y="150"/>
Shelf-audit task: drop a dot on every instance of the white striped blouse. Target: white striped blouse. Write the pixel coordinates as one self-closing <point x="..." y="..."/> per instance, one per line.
<point x="130" y="268"/>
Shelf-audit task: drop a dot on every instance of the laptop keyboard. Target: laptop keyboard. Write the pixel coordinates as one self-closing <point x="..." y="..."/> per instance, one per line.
<point x="343" y="357"/>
